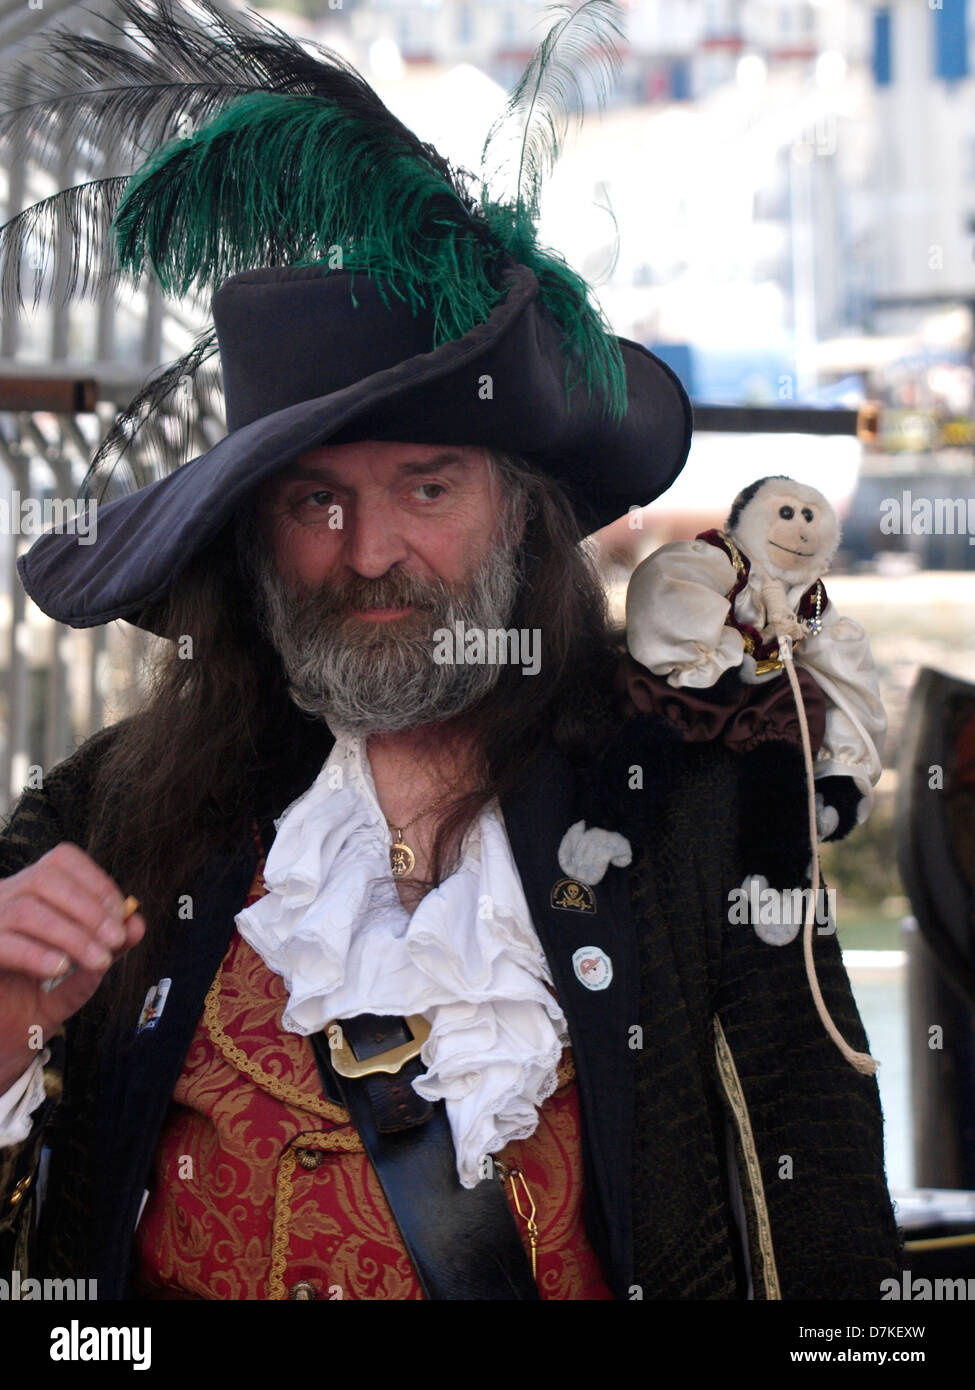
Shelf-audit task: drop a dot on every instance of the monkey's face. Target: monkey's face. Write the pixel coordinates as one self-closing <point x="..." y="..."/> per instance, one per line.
<point x="790" y="530"/>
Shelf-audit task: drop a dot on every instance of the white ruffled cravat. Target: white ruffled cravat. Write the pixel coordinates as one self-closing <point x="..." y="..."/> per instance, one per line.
<point x="332" y="926"/>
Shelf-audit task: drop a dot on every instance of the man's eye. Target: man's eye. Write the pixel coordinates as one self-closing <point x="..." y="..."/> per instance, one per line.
<point x="786" y="513"/>
<point x="317" y="499"/>
<point x="439" y="487"/>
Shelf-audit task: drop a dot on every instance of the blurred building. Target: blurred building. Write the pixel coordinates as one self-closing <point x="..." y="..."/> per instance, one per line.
<point x="924" y="179"/>
<point x="65" y="370"/>
<point x="677" y="49"/>
<point x="800" y="163"/>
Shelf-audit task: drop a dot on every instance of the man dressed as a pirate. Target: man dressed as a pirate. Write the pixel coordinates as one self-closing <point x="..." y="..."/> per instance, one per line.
<point x="431" y="991"/>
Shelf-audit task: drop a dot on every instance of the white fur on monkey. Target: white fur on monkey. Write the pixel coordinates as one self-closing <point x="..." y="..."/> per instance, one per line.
<point x="677" y="604"/>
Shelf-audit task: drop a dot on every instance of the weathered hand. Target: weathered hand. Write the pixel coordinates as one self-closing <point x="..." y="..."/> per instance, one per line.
<point x="61" y="912"/>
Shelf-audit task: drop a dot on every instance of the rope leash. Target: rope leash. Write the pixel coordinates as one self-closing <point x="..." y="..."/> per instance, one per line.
<point x="862" y="1061"/>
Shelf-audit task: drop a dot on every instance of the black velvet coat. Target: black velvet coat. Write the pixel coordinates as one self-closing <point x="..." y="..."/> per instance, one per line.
<point x="701" y="1068"/>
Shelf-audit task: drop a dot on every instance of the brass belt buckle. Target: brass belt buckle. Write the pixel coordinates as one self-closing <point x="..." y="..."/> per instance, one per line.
<point x="345" y="1062"/>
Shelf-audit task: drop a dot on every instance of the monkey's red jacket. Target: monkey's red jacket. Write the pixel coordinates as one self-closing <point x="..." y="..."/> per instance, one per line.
<point x="703" y="1058"/>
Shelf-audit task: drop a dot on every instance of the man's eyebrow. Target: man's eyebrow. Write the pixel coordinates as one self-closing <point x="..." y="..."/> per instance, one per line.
<point x="320" y="473"/>
<point x="443" y="460"/>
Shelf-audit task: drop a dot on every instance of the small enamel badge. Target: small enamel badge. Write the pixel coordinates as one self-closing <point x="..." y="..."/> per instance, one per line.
<point x="570" y="895"/>
<point x="593" y="967"/>
<point x="155" y="1002"/>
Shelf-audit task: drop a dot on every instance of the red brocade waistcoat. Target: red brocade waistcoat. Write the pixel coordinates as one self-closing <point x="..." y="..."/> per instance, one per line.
<point x="261" y="1187"/>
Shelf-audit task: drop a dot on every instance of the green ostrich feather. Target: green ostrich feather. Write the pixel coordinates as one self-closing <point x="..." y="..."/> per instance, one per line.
<point x="280" y="179"/>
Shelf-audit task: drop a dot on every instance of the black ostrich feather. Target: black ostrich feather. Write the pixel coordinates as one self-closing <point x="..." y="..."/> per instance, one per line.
<point x="169" y="73"/>
<point x="154" y="433"/>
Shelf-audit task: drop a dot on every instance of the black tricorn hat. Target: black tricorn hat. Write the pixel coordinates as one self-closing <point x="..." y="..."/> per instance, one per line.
<point x="312" y="357"/>
<point x="438" y="319"/>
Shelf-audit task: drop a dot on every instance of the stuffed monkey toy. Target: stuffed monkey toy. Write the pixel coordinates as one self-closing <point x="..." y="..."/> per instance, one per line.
<point x="732" y="636"/>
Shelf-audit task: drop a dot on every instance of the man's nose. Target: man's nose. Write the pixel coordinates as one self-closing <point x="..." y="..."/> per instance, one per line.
<point x="373" y="543"/>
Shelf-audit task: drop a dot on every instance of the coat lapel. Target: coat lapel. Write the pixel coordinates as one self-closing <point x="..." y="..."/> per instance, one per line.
<point x="536" y="817"/>
<point x="139" y="1072"/>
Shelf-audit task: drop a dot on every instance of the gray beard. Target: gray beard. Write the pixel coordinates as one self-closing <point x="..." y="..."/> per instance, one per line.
<point x="380" y="677"/>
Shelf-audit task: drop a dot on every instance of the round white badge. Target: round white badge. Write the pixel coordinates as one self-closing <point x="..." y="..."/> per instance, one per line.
<point x="593" y="967"/>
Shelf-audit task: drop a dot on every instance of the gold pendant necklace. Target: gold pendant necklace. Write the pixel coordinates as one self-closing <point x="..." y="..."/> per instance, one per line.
<point x="401" y="857"/>
<point x="402" y="860"/>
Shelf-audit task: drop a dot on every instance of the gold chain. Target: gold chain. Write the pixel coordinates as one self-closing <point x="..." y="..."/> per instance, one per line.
<point x="401" y="857"/>
<point x="517" y="1178"/>
<point x="402" y="860"/>
<point x="432" y="807"/>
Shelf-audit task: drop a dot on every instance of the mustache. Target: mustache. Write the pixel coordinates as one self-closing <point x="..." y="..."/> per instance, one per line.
<point x="374" y="677"/>
<point x="338" y="598"/>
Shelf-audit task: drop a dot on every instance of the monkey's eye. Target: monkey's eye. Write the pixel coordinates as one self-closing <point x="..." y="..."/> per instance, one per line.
<point x="786" y="513"/>
<point x="807" y="514"/>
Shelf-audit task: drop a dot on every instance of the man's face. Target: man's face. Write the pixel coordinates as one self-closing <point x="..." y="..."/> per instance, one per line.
<point x="427" y="510"/>
<point x="361" y="552"/>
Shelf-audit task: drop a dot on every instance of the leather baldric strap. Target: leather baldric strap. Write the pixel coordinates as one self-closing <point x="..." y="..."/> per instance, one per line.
<point x="463" y="1242"/>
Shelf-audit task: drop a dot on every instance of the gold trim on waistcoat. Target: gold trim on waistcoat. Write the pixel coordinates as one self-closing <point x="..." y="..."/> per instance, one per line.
<point x="304" y="1100"/>
<point x="281" y="1228"/>
<point x="731" y="1084"/>
<point x="335" y="1141"/>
